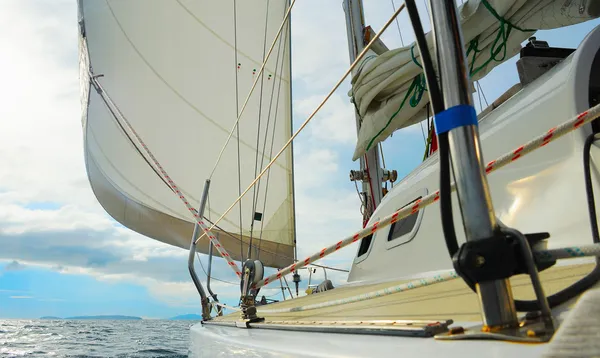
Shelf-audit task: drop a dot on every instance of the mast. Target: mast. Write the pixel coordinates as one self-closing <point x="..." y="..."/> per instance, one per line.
<point x="370" y="171"/>
<point x="292" y="180"/>
<point x="477" y="211"/>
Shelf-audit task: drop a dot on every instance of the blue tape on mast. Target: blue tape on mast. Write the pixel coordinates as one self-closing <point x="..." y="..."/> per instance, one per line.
<point x="457" y="116"/>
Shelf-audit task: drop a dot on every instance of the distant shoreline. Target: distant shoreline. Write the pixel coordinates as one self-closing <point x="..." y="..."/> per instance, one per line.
<point x="188" y="317"/>
<point x="105" y="317"/>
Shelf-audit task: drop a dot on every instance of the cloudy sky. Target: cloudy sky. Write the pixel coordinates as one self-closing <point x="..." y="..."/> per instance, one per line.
<point x="62" y="255"/>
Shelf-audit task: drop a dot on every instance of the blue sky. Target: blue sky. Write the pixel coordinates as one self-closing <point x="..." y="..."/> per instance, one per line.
<point x="62" y="255"/>
<point x="36" y="292"/>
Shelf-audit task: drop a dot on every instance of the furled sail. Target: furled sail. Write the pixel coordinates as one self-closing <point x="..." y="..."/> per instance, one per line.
<point x="179" y="71"/>
<point x="389" y="90"/>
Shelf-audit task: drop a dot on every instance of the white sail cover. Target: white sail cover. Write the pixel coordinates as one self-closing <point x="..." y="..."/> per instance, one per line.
<point x="491" y="28"/>
<point x="170" y="67"/>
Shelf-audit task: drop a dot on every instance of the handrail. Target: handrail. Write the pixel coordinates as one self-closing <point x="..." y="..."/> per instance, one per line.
<point x="208" y="269"/>
<point x="192" y="254"/>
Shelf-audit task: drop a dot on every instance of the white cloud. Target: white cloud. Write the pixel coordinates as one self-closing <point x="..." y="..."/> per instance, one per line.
<point x="40" y="134"/>
<point x="320" y="50"/>
<point x="18" y="219"/>
<point x="334" y="123"/>
<point x="21" y="297"/>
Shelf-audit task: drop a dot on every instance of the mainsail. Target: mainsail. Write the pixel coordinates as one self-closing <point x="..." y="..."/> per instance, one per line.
<point x="389" y="89"/>
<point x="179" y="71"/>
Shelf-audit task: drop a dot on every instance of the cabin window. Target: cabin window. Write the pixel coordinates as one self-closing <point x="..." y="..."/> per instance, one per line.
<point x="404" y="230"/>
<point x="402" y="227"/>
<point x="364" y="245"/>
<point x="594" y="89"/>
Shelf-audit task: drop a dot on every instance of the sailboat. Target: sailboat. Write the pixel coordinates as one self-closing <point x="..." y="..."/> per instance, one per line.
<point x="185" y="94"/>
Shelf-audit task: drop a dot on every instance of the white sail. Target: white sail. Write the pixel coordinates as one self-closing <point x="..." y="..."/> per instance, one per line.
<point x="388" y="93"/>
<point x="170" y="67"/>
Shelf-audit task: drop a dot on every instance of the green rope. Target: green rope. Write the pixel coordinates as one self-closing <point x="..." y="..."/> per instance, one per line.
<point x="499" y="44"/>
<point x="412" y="55"/>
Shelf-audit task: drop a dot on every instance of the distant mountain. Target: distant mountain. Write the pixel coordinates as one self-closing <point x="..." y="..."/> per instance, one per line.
<point x="108" y="317"/>
<point x="189" y="316"/>
<point x="111" y="317"/>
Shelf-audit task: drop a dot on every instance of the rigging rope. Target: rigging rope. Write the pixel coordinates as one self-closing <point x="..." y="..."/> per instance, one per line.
<point x="479" y="98"/>
<point x="237" y="129"/>
<point x="303" y="125"/>
<point x="398" y="24"/>
<point x="538" y="142"/>
<point x="260" y="97"/>
<point x="272" y="139"/>
<point x="260" y="71"/>
<point x="211" y="276"/>
<point x="482" y="93"/>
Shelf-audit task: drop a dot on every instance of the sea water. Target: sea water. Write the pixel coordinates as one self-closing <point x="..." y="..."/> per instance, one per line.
<point x="94" y="338"/>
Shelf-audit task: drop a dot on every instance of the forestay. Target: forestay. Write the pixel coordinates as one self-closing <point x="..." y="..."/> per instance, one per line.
<point x="389" y="90"/>
<point x="170" y="67"/>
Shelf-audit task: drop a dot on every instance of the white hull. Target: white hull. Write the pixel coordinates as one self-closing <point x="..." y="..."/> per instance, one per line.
<point x="214" y="341"/>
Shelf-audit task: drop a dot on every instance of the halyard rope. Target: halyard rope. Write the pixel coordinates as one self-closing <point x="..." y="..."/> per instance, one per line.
<point x="538" y="142"/>
<point x="109" y="102"/>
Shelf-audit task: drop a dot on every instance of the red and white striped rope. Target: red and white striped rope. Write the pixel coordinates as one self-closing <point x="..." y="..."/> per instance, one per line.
<point x="211" y="236"/>
<point x="551" y="135"/>
<point x="520" y="152"/>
